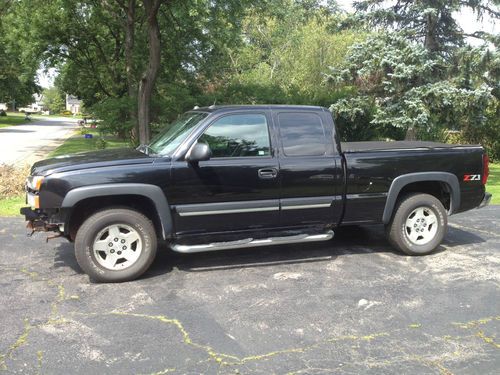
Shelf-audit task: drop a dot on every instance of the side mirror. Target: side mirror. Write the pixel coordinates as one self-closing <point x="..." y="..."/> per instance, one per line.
<point x="198" y="152"/>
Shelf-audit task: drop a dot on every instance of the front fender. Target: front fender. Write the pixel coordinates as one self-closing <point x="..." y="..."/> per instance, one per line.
<point x="153" y="192"/>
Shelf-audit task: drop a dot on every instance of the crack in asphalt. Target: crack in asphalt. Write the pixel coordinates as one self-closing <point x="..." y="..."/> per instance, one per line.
<point x="21" y="340"/>
<point x="52" y="319"/>
<point x="225" y="360"/>
<point x="442" y="344"/>
<point x="229" y="360"/>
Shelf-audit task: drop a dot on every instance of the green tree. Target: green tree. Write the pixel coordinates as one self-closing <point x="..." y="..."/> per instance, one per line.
<point x="404" y="86"/>
<point x="53" y="99"/>
<point x="17" y="76"/>
<point x="284" y="53"/>
<point x="100" y="47"/>
<point x="418" y="75"/>
<point x="430" y="22"/>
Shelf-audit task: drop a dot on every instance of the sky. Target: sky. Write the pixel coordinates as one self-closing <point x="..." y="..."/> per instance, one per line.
<point x="466" y="19"/>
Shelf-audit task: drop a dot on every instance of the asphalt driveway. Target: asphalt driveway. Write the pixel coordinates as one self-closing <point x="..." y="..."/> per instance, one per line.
<point x="24" y="144"/>
<point x="347" y="306"/>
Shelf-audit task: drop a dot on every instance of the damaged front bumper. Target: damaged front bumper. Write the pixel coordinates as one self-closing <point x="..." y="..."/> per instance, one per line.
<point x="38" y="221"/>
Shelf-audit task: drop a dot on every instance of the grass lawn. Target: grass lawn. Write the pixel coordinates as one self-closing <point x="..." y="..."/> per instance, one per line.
<point x="16" y="118"/>
<point x="493" y="185"/>
<point x="12" y="119"/>
<point x="78" y="143"/>
<point x="11" y="206"/>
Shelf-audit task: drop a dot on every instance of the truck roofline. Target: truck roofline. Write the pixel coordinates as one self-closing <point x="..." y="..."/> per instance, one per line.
<point x="233" y="107"/>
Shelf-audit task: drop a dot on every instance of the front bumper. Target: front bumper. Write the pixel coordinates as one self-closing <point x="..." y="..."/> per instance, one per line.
<point x="486" y="200"/>
<point x="29" y="214"/>
<point x="38" y="221"/>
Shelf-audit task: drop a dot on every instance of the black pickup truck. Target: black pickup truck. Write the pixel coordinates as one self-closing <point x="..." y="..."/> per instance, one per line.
<point x="244" y="176"/>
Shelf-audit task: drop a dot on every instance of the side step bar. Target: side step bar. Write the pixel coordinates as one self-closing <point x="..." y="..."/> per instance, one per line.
<point x="250" y="242"/>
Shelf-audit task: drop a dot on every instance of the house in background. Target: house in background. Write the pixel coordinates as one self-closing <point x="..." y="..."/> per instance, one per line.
<point x="3" y="106"/>
<point x="73" y="104"/>
<point x="36" y="106"/>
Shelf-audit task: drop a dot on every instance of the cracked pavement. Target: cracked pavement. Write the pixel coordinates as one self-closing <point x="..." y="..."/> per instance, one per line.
<point x="347" y="306"/>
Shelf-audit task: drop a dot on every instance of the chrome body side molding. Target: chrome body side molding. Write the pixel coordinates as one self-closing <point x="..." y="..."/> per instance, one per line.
<point x="227" y="207"/>
<point x="255" y="206"/>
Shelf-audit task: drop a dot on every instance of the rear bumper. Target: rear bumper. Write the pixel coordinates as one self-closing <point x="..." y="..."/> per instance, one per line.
<point x="486" y="200"/>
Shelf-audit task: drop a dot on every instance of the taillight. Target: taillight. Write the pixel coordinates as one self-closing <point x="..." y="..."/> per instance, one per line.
<point x="486" y="169"/>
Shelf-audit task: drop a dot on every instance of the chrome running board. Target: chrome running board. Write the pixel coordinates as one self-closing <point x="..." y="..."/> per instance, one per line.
<point x="250" y="242"/>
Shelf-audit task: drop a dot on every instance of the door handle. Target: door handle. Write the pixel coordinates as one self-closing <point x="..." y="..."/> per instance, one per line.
<point x="267" y="173"/>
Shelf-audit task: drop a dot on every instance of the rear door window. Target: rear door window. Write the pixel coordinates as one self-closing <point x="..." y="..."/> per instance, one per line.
<point x="302" y="134"/>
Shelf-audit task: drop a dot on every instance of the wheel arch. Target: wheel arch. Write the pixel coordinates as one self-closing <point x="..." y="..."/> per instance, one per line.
<point x="147" y="191"/>
<point x="400" y="182"/>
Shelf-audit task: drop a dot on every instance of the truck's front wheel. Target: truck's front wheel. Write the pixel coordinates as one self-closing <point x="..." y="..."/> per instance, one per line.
<point x="418" y="225"/>
<point x="115" y="245"/>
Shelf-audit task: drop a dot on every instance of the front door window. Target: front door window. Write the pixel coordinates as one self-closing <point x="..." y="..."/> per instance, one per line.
<point x="238" y="136"/>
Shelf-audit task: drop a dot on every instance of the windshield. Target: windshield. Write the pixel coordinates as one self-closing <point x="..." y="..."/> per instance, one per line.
<point x="175" y="133"/>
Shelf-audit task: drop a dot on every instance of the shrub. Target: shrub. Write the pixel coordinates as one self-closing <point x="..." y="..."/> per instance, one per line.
<point x="3" y="113"/>
<point x="12" y="180"/>
<point x="115" y="114"/>
<point x="66" y="113"/>
<point x="100" y="143"/>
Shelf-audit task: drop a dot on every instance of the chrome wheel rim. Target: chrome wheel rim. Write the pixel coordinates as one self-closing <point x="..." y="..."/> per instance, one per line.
<point x="117" y="247"/>
<point x="421" y="226"/>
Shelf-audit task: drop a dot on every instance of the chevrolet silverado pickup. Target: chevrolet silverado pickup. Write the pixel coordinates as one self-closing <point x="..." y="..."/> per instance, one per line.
<point x="225" y="177"/>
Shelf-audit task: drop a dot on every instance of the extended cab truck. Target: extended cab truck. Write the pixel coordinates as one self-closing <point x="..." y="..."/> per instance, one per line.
<point x="244" y="176"/>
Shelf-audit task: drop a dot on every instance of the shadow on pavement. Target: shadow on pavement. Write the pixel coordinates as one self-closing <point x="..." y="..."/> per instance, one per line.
<point x="44" y="123"/>
<point x="347" y="240"/>
<point x="459" y="237"/>
<point x="10" y="130"/>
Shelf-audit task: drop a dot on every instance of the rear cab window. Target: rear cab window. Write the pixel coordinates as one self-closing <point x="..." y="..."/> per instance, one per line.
<point x="302" y="134"/>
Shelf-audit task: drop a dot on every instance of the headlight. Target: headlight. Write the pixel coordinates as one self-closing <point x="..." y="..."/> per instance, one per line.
<point x="34" y="182"/>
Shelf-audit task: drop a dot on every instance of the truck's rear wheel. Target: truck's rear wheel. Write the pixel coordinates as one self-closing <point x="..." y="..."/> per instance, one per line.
<point x="115" y="245"/>
<point x="418" y="225"/>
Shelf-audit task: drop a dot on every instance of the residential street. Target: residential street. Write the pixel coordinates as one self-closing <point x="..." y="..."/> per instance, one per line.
<point x="24" y="144"/>
<point x="348" y="306"/>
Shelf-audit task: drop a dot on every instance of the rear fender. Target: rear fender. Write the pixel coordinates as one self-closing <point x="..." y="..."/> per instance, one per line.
<point x="401" y="181"/>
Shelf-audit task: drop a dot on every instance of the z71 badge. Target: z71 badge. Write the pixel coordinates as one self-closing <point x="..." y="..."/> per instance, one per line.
<point x="472" y="177"/>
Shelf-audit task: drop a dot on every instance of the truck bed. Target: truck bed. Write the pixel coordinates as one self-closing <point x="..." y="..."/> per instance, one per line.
<point x="372" y="167"/>
<point x="348" y="147"/>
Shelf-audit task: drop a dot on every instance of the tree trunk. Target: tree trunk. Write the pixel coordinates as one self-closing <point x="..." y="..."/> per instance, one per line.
<point x="411" y="134"/>
<point x="148" y="79"/>
<point x="430" y="43"/>
<point x="129" y="61"/>
<point x="129" y="46"/>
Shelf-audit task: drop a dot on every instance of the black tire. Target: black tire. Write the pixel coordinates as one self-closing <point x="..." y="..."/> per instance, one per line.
<point x="94" y="224"/>
<point x="398" y="232"/>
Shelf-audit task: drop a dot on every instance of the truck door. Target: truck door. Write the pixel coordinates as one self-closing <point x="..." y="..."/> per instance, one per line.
<point x="310" y="168"/>
<point x="238" y="188"/>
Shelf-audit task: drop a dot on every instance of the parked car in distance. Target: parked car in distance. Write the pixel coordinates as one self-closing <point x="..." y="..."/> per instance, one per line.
<point x="226" y="177"/>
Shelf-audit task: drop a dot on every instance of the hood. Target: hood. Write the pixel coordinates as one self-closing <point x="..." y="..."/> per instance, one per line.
<point x="93" y="159"/>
